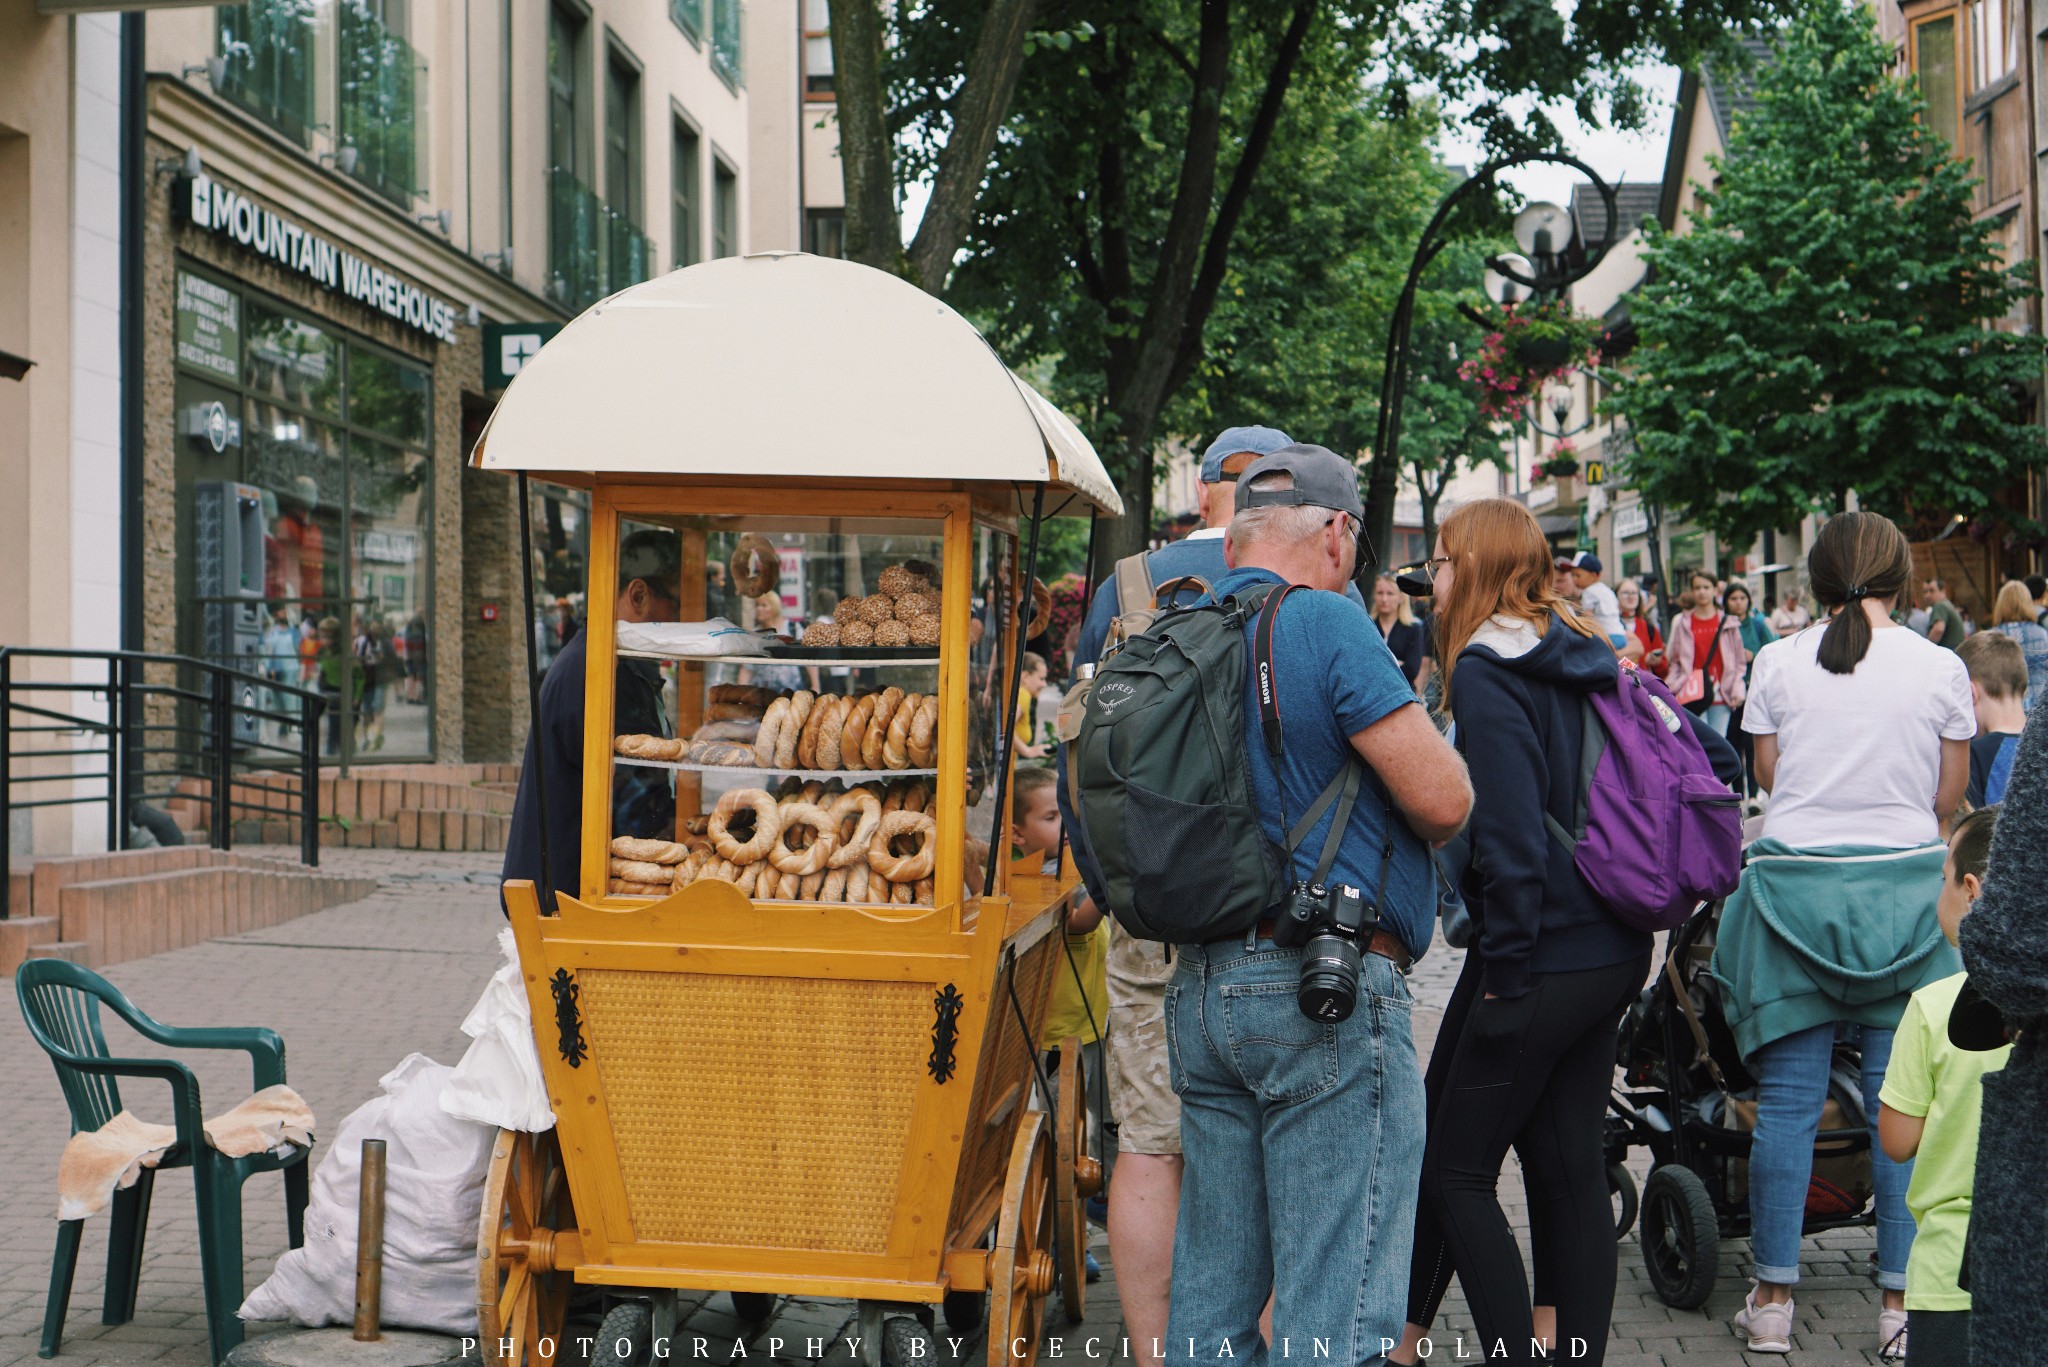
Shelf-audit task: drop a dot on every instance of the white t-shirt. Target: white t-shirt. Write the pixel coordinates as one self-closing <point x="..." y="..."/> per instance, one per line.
<point x="1603" y="607"/>
<point x="1859" y="755"/>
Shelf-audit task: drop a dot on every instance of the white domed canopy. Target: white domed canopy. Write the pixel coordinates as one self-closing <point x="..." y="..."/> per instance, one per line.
<point x="786" y="366"/>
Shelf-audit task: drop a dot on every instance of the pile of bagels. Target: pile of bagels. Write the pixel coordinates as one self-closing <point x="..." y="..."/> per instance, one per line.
<point x="902" y="611"/>
<point x="806" y="842"/>
<point x="758" y="729"/>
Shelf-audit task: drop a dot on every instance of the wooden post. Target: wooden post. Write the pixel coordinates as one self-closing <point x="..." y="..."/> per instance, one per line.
<point x="370" y="1245"/>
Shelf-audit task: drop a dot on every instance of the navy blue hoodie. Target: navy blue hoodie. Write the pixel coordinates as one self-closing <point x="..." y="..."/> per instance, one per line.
<point x="1516" y="700"/>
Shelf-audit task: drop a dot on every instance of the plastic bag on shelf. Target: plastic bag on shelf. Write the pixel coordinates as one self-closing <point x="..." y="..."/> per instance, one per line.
<point x="716" y="636"/>
<point x="498" y="1081"/>
<point x="434" y="1180"/>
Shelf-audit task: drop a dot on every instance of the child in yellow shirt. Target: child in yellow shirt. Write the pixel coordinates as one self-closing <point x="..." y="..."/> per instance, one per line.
<point x="1932" y="1094"/>
<point x="1080" y="992"/>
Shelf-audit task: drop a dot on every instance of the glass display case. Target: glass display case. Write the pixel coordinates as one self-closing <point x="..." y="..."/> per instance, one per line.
<point x="777" y="716"/>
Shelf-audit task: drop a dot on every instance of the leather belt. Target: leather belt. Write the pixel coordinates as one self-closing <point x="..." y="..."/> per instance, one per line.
<point x="1384" y="943"/>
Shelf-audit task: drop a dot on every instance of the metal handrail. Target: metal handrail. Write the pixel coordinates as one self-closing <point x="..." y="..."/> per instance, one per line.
<point x="209" y="751"/>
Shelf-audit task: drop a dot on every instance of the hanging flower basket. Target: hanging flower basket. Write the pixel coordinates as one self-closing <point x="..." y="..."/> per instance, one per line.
<point x="1531" y="343"/>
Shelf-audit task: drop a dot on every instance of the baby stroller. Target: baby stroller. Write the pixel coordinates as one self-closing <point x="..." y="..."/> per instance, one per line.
<point x="1685" y="1095"/>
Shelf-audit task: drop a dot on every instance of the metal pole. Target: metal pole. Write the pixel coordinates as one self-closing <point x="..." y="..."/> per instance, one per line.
<point x="117" y="808"/>
<point x="310" y="709"/>
<point x="533" y="733"/>
<point x="1008" y="700"/>
<point x="223" y="761"/>
<point x="370" y="1245"/>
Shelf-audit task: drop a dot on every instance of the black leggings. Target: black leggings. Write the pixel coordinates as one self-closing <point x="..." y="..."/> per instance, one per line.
<point x="1532" y="1071"/>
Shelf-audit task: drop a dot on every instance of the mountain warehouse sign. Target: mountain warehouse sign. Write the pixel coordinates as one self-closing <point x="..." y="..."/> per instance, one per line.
<point x="232" y="214"/>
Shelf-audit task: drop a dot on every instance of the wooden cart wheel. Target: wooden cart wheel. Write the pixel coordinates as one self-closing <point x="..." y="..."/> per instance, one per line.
<point x="522" y="1296"/>
<point x="1076" y="1177"/>
<point x="1021" y="1275"/>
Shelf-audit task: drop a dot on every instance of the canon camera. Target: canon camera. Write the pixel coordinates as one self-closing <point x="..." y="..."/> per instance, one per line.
<point x="1331" y="927"/>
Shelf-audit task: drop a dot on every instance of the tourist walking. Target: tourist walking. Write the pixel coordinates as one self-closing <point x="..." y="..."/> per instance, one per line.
<point x="1304" y="1135"/>
<point x="1756" y="634"/>
<point x="1646" y="643"/>
<point x="1791" y="615"/>
<point x="1862" y="735"/>
<point x="2013" y="614"/>
<point x="1705" y="656"/>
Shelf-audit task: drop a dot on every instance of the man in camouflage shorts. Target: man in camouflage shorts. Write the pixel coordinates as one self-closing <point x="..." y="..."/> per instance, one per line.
<point x="1144" y="1198"/>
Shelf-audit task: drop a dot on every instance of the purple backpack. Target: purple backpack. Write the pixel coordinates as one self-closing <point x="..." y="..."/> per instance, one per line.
<point x="1657" y="832"/>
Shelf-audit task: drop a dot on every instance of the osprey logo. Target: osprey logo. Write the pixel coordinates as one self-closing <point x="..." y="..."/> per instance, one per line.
<point x="1112" y="694"/>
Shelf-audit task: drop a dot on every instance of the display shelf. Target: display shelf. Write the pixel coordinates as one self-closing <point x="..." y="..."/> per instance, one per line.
<point x="850" y="775"/>
<point x="800" y="661"/>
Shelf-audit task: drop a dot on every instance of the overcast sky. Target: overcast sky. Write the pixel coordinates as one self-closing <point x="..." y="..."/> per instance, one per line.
<point x="1633" y="158"/>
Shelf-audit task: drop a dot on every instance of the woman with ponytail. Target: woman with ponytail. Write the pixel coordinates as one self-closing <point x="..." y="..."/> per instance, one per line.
<point x="1862" y="732"/>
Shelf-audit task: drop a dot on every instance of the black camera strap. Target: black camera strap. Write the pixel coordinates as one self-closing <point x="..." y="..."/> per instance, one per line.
<point x="1342" y="790"/>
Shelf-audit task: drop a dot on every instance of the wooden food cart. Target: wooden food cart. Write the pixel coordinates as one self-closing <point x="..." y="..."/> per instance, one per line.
<point x="814" y="1071"/>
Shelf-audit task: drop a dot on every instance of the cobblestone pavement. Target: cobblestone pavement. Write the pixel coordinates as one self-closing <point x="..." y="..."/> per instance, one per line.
<point x="356" y="988"/>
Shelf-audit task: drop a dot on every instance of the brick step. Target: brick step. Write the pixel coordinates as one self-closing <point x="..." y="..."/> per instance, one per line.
<point x="74" y="950"/>
<point x="437" y="829"/>
<point x="127" y="918"/>
<point x="21" y="936"/>
<point x="359" y="833"/>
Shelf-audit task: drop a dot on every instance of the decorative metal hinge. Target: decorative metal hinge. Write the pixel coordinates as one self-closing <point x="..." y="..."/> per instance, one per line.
<point x="946" y="1006"/>
<point x="568" y="1021"/>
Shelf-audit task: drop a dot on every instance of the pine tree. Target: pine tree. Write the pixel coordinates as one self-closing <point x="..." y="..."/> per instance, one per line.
<point x="1823" y="327"/>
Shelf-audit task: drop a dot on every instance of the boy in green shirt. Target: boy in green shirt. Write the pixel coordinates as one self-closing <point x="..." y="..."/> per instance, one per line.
<point x="1931" y="1098"/>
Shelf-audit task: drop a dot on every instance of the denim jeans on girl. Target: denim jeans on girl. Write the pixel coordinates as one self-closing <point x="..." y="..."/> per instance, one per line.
<point x="1304" y="1145"/>
<point x="1792" y="1086"/>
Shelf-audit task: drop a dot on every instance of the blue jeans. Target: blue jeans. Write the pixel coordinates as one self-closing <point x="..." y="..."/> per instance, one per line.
<point x="1304" y="1146"/>
<point x="1792" y="1086"/>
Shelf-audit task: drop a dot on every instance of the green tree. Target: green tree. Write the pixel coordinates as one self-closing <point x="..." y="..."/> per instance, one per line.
<point x="1823" y="326"/>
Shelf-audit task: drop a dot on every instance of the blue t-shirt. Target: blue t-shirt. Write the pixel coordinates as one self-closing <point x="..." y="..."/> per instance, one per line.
<point x="1334" y="676"/>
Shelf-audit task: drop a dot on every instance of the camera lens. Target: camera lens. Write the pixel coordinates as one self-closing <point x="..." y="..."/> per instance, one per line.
<point x="1329" y="978"/>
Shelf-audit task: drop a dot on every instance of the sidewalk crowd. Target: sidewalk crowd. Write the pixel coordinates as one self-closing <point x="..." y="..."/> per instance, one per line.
<point x="1274" y="1127"/>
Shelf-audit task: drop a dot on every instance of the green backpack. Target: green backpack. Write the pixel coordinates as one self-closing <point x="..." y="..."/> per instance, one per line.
<point x="1160" y="784"/>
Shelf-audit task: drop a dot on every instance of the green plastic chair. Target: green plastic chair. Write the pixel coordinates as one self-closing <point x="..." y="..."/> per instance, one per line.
<point x="61" y="1002"/>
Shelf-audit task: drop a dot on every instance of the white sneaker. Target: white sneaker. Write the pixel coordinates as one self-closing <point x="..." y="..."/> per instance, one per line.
<point x="1769" y="1327"/>
<point x="1891" y="1335"/>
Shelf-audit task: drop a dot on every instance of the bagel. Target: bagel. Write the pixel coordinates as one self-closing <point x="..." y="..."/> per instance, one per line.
<point x="1041" y="609"/>
<point x="640" y="871"/>
<point x="903" y="868"/>
<point x="902" y="894"/>
<point x="747" y="694"/>
<point x="768" y="887"/>
<point x="878" y="889"/>
<point x="652" y="851"/>
<point x="812" y="885"/>
<point x="854" y="730"/>
<point x="922" y="743"/>
<point x="800" y="704"/>
<point x="749" y="877"/>
<point x="834" y="887"/>
<point x="767" y="826"/>
<point x="649" y="747"/>
<point x="745" y="730"/>
<point x="733" y="711"/>
<point x="730" y="754"/>
<point x="813" y="857"/>
<point x="756" y="568"/>
<point x="769" y="738"/>
<point x="886" y="704"/>
<point x="687" y="871"/>
<point x="857" y="880"/>
<point x="863" y="805"/>
<point x="623" y="887"/>
<point x="896" y="743"/>
<point x="921" y="893"/>
<point x="916" y="796"/>
<point x="807" y="743"/>
<point x="831" y="734"/>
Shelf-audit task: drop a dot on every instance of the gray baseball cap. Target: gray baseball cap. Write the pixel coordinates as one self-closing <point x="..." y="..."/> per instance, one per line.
<point x="1259" y="441"/>
<point x="1322" y="479"/>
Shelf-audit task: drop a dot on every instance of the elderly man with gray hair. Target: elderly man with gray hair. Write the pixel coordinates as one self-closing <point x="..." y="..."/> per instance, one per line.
<point x="1303" y="1135"/>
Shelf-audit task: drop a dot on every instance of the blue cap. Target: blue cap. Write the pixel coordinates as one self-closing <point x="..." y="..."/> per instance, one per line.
<point x="1260" y="441"/>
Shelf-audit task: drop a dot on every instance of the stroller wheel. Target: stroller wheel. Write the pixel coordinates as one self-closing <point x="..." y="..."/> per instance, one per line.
<point x="1681" y="1237"/>
<point x="1621" y="1185"/>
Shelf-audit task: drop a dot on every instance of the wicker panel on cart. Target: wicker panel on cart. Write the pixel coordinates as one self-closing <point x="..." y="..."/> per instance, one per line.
<point x="759" y="1112"/>
<point x="1006" y="1054"/>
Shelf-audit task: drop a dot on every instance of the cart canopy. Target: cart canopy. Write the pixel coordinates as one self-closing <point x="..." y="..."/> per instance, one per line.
<point x="790" y="366"/>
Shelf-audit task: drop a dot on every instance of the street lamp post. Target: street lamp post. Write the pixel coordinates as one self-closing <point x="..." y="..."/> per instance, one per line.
<point x="1541" y="271"/>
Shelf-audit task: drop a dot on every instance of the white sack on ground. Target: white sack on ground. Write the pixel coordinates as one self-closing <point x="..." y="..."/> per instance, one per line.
<point x="498" y="1081"/>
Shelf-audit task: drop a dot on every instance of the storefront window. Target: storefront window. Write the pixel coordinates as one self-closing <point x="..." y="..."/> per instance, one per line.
<point x="327" y="440"/>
